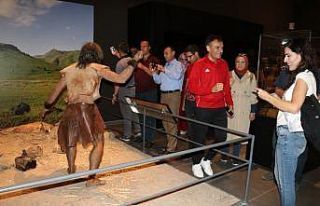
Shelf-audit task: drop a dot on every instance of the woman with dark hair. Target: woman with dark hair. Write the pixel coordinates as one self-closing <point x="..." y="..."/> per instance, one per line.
<point x="291" y="140"/>
<point x="81" y="121"/>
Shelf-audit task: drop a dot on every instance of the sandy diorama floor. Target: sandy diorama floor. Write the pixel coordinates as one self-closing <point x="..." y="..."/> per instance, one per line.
<point x="122" y="186"/>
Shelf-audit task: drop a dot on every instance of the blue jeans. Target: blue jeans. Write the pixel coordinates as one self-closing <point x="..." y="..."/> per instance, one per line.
<point x="236" y="149"/>
<point x="152" y="96"/>
<point x="289" y="146"/>
<point x="301" y="160"/>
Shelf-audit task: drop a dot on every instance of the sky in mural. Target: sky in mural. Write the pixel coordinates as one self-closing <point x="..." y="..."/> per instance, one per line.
<point x="37" y="26"/>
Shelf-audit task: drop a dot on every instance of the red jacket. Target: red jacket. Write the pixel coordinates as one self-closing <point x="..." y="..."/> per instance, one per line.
<point x="204" y="75"/>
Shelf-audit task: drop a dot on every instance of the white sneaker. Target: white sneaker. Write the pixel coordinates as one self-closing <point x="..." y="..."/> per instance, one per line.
<point x="137" y="134"/>
<point x="197" y="171"/>
<point x="235" y="163"/>
<point x="125" y="138"/>
<point x="206" y="165"/>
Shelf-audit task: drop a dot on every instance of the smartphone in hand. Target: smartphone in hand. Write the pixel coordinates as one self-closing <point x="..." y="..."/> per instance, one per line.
<point x="229" y="111"/>
<point x="153" y="66"/>
<point x="113" y="50"/>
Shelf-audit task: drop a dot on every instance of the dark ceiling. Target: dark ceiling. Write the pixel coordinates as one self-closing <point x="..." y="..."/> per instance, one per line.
<point x="304" y="12"/>
<point x="89" y="2"/>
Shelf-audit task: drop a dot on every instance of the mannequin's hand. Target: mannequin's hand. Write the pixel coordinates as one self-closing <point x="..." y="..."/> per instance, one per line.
<point x="43" y="113"/>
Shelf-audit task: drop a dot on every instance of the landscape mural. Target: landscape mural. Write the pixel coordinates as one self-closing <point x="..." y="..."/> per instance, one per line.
<point x="37" y="39"/>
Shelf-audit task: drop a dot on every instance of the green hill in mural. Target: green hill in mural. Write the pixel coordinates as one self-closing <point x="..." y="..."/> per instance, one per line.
<point x="60" y="59"/>
<point x="15" y="64"/>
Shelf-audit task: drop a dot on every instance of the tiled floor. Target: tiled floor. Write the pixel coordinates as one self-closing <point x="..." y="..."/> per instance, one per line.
<point x="261" y="192"/>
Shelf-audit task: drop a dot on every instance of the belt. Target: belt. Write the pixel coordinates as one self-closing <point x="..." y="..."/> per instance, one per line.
<point x="130" y="86"/>
<point x="171" y="91"/>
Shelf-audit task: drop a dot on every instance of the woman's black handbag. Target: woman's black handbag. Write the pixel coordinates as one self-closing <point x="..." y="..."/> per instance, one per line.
<point x="310" y="120"/>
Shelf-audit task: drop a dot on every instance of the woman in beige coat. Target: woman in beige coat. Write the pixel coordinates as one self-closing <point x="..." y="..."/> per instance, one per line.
<point x="243" y="83"/>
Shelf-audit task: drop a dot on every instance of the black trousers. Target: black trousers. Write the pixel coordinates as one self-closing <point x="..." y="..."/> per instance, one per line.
<point x="213" y="116"/>
<point x="190" y="111"/>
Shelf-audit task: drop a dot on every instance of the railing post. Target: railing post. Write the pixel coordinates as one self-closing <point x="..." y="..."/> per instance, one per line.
<point x="144" y="130"/>
<point x="244" y="202"/>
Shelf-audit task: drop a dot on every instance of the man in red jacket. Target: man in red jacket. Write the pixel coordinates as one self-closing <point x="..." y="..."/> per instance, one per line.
<point x="209" y="82"/>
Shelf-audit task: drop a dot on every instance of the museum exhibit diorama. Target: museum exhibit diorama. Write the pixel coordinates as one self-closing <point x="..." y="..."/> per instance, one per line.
<point x="47" y="115"/>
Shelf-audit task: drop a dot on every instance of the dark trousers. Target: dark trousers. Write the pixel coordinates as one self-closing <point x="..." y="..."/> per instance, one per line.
<point x="213" y="116"/>
<point x="152" y="96"/>
<point x="190" y="111"/>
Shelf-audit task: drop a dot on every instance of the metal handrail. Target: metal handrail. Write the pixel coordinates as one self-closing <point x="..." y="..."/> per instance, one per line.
<point x="65" y="178"/>
<point x="59" y="179"/>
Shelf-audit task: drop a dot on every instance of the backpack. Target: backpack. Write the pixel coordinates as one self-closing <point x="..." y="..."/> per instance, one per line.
<point x="310" y="120"/>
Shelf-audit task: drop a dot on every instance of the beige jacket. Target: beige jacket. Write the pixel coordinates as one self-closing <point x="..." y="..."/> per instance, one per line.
<point x="242" y="96"/>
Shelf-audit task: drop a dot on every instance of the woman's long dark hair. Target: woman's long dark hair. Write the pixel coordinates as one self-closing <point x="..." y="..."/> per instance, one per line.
<point x="90" y="53"/>
<point x="308" y="58"/>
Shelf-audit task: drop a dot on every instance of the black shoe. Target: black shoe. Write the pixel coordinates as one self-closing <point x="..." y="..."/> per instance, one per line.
<point x="268" y="176"/>
<point x="138" y="139"/>
<point x="169" y="152"/>
<point x="125" y="138"/>
<point x="165" y="151"/>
